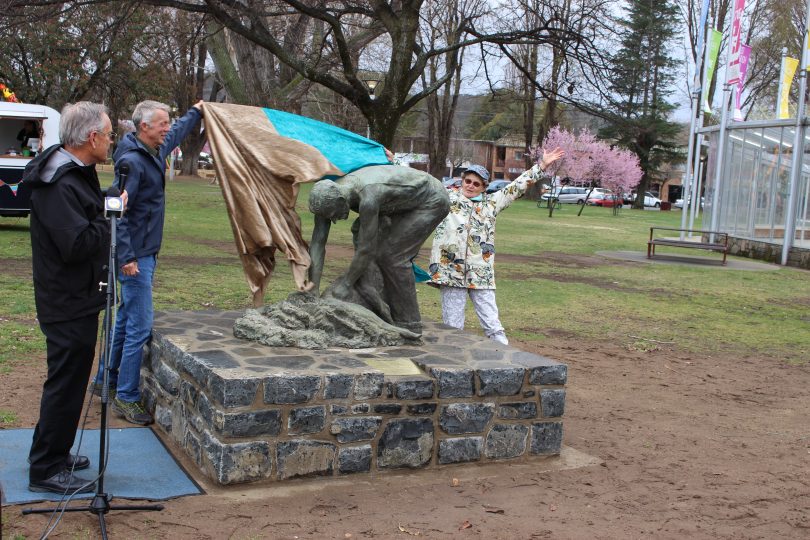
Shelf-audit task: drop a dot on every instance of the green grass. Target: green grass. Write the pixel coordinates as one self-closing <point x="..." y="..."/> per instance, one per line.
<point x="550" y="281"/>
<point x="7" y="417"/>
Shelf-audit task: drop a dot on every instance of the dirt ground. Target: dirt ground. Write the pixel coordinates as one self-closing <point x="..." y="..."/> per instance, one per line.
<point x="683" y="447"/>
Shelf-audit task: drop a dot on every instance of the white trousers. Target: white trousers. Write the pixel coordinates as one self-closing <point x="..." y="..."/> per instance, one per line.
<point x="454" y="302"/>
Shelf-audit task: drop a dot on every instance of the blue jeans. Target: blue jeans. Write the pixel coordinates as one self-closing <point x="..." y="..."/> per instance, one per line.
<point x="133" y="327"/>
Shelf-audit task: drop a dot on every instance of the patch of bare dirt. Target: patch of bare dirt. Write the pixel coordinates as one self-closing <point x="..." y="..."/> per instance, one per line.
<point x="16" y="267"/>
<point x="699" y="447"/>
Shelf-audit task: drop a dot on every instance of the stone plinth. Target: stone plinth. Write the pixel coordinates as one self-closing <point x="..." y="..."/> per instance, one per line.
<point x="245" y="412"/>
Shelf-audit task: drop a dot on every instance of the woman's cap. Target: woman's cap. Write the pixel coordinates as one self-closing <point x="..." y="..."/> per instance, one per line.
<point x="480" y="170"/>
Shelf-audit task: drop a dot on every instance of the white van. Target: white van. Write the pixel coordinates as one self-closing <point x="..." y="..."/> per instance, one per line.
<point x="15" y="153"/>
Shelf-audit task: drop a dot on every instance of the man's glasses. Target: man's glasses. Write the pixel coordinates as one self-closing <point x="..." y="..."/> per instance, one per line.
<point x="110" y="135"/>
<point x="473" y="183"/>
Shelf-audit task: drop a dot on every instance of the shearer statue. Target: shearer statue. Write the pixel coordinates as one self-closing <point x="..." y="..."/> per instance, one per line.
<point x="398" y="208"/>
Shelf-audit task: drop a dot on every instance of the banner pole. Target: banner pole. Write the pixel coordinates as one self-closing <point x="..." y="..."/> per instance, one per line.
<point x="798" y="149"/>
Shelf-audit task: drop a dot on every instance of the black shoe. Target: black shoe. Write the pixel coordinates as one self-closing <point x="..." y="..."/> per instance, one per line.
<point x="77" y="462"/>
<point x="82" y="462"/>
<point x="62" y="482"/>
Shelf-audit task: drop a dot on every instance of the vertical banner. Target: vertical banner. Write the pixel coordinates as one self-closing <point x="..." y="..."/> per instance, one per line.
<point x="745" y="55"/>
<point x="735" y="43"/>
<point x="701" y="41"/>
<point x="789" y="66"/>
<point x="715" y="39"/>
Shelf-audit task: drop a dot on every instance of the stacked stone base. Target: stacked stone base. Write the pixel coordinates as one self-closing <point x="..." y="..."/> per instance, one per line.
<point x="245" y="412"/>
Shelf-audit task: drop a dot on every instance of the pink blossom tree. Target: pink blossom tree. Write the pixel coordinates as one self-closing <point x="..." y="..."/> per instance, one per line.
<point x="589" y="160"/>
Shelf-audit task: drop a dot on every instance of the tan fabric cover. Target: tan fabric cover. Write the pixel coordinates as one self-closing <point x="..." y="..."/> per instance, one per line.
<point x="259" y="172"/>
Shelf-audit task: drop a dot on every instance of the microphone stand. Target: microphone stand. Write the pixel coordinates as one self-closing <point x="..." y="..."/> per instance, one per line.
<point x="100" y="505"/>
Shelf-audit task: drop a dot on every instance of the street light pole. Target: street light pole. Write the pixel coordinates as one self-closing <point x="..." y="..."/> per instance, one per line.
<point x="372" y="84"/>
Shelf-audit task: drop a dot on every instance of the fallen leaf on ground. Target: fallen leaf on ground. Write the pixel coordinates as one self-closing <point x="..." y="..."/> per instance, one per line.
<point x="456" y="482"/>
<point x="465" y="525"/>
<point x="493" y="510"/>
<point x="403" y="529"/>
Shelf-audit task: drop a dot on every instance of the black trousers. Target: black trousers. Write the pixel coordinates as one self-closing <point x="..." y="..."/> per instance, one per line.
<point x="71" y="349"/>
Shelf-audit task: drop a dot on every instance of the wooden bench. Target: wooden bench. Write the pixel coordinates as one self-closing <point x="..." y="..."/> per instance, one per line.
<point x="720" y="243"/>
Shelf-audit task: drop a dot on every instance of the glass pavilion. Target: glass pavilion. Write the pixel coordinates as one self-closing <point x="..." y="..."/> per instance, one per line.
<point x="754" y="189"/>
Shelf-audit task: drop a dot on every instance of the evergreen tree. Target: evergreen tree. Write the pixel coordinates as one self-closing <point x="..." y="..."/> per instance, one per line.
<point x="642" y="79"/>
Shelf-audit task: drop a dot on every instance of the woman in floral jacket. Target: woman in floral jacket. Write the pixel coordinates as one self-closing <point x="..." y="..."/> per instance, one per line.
<point x="463" y="255"/>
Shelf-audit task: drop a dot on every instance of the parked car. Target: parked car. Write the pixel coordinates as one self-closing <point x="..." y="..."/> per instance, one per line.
<point x="568" y="194"/>
<point x="679" y="203"/>
<point x="650" y="200"/>
<point x="497" y="185"/>
<point x="15" y="195"/>
<point x="604" y="199"/>
<point x="450" y="182"/>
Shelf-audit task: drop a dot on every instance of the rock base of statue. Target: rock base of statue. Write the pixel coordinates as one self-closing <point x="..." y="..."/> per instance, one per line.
<point x="309" y="322"/>
<point x="243" y="411"/>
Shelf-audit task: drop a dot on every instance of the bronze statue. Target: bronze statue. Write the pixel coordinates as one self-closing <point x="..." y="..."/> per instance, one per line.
<point x="398" y="208"/>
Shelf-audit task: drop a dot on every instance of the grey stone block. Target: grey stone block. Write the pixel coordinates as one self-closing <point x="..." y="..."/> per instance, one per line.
<point x="281" y="389"/>
<point x="458" y="418"/>
<point x="193" y="448"/>
<point x="387" y="408"/>
<point x="338" y="386"/>
<point x="421" y="409"/>
<point x="168" y="378"/>
<point x="188" y="364"/>
<point x="414" y="389"/>
<point x="188" y="392"/>
<point x="306" y="420"/>
<point x="163" y="417"/>
<point x="305" y="458"/>
<point x="249" y="423"/>
<point x="500" y="381"/>
<point x="354" y="459"/>
<point x="531" y="360"/>
<point x="486" y="354"/>
<point x="205" y="409"/>
<point x="460" y="450"/>
<point x="546" y="438"/>
<point x="454" y="382"/>
<point x="506" y="441"/>
<point x="361" y="408"/>
<point x="361" y="428"/>
<point x="338" y="410"/>
<point x="232" y="392"/>
<point x="406" y="443"/>
<point x="239" y="462"/>
<point x="554" y="374"/>
<point x="148" y="397"/>
<point x="552" y="403"/>
<point x="517" y="411"/>
<point x="368" y="385"/>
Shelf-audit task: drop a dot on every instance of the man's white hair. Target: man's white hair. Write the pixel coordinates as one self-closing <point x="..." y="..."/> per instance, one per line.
<point x="145" y="110"/>
<point x="79" y="120"/>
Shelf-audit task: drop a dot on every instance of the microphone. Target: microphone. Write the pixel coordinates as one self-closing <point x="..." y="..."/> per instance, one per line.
<point x="123" y="172"/>
<point x="113" y="205"/>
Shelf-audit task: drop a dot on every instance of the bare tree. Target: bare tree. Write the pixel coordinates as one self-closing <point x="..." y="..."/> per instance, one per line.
<point x="339" y="33"/>
<point x="441" y="28"/>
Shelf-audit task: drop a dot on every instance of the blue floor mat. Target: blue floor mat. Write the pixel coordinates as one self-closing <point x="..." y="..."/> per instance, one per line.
<point x="139" y="467"/>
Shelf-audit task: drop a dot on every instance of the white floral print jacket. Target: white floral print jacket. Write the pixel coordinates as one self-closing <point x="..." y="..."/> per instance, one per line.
<point x="463" y="253"/>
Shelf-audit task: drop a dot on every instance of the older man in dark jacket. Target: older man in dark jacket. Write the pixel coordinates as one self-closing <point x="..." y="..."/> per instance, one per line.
<point x="140" y="234"/>
<point x="70" y="241"/>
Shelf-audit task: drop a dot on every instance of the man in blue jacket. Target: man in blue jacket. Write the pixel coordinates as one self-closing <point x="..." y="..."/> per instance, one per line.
<point x="70" y="243"/>
<point x="140" y="233"/>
